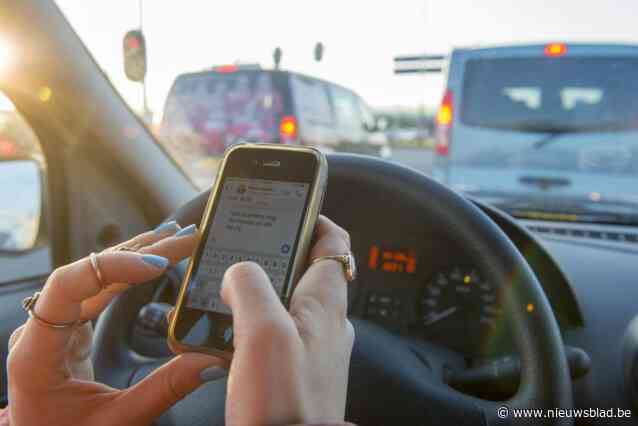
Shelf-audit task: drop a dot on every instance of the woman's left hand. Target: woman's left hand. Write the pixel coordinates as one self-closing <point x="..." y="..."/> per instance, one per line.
<point x="50" y="375"/>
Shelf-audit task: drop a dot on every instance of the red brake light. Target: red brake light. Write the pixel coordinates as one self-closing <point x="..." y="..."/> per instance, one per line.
<point x="288" y="129"/>
<point x="225" y="69"/>
<point x="444" y="118"/>
<point x="555" y="49"/>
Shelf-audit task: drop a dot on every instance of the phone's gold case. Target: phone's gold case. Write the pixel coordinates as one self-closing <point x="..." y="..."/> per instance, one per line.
<point x="300" y="256"/>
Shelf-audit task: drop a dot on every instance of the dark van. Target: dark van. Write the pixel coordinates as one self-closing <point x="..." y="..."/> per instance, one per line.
<point x="230" y="104"/>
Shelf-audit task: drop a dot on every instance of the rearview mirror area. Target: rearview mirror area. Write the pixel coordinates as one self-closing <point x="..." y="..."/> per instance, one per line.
<point x="20" y="205"/>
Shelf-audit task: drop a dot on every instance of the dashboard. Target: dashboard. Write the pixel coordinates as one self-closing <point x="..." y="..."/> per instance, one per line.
<point x="417" y="282"/>
<point x="429" y="290"/>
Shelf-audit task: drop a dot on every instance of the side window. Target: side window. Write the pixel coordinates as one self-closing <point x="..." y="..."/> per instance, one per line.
<point x="24" y="248"/>
<point x="346" y="109"/>
<point x="367" y="116"/>
<point x="311" y="101"/>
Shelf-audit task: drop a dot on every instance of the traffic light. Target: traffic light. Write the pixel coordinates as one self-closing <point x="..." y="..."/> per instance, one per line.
<point x="135" y="55"/>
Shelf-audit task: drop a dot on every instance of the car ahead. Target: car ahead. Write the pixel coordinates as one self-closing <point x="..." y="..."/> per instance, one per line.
<point x="535" y="127"/>
<point x="214" y="109"/>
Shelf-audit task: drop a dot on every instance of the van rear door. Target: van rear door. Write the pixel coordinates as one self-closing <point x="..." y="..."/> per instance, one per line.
<point x="525" y="116"/>
<point x="212" y="110"/>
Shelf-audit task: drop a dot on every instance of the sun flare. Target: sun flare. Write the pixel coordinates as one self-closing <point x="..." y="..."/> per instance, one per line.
<point x="6" y="55"/>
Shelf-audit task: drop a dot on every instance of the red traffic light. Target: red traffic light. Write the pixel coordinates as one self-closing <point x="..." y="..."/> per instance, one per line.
<point x="133" y="43"/>
<point x="134" y="46"/>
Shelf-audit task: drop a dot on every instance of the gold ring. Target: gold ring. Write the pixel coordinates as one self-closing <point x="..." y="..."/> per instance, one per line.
<point x="96" y="268"/>
<point x="348" y="262"/>
<point x="29" y="305"/>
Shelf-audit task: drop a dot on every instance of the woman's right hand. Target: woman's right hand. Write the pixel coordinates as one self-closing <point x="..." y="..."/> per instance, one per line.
<point x="290" y="367"/>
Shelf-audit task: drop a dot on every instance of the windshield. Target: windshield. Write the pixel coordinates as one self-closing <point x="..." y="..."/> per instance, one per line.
<point x="517" y="106"/>
<point x="551" y="94"/>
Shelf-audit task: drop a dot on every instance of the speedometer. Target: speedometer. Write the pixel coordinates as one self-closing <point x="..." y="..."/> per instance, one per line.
<point x="458" y="307"/>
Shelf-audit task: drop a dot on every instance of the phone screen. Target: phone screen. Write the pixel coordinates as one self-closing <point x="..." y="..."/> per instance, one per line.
<point x="256" y="220"/>
<point x="257" y="215"/>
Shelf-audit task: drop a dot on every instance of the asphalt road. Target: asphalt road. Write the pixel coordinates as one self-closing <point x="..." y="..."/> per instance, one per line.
<point x="420" y="159"/>
<point x="203" y="171"/>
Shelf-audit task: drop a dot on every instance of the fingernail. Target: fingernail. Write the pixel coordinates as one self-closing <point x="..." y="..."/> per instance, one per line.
<point x="212" y="373"/>
<point x="156" y="261"/>
<point x="186" y="231"/>
<point x="167" y="228"/>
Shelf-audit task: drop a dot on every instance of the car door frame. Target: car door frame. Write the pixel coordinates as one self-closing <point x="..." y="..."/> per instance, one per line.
<point x="84" y="121"/>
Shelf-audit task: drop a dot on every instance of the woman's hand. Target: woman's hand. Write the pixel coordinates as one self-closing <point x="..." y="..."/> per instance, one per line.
<point x="290" y="367"/>
<point x="50" y="374"/>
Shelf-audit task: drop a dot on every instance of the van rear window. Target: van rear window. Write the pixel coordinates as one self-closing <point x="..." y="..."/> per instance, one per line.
<point x="551" y="94"/>
<point x="217" y="110"/>
<point x="311" y="100"/>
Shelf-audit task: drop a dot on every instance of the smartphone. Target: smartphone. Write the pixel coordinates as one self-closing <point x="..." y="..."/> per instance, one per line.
<point x="263" y="208"/>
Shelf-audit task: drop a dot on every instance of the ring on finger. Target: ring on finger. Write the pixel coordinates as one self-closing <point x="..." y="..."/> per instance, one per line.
<point x="95" y="264"/>
<point x="28" y="304"/>
<point x="348" y="262"/>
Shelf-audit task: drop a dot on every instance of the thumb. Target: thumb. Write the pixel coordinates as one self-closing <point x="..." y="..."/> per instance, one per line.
<point x="250" y="295"/>
<point x="164" y="387"/>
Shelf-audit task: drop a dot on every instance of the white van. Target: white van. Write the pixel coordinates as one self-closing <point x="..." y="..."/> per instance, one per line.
<point x="537" y="121"/>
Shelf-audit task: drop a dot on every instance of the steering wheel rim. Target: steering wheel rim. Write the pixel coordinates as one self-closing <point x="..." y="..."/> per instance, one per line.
<point x="545" y="381"/>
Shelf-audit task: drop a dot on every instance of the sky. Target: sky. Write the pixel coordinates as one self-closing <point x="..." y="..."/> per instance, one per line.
<point x="360" y="37"/>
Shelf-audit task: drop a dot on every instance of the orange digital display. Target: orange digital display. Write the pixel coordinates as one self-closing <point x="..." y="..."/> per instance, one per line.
<point x="390" y="260"/>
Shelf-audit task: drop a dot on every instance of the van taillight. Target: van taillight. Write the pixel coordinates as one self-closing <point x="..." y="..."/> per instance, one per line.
<point x="444" y="119"/>
<point x="288" y="129"/>
<point x="555" y="49"/>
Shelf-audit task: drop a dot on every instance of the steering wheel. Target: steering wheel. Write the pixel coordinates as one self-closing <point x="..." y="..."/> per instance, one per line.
<point x="391" y="381"/>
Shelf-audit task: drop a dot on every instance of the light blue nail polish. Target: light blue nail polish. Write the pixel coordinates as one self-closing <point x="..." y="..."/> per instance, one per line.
<point x="186" y="231"/>
<point x="212" y="373"/>
<point x="156" y="261"/>
<point x="167" y="228"/>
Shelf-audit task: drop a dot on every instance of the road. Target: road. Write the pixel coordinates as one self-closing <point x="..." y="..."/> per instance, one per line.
<point x="419" y="159"/>
<point x="203" y="170"/>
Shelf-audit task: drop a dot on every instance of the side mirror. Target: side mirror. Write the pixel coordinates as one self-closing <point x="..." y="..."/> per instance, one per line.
<point x="20" y="204"/>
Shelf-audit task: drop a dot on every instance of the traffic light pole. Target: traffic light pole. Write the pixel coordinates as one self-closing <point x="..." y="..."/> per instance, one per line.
<point x="144" y="96"/>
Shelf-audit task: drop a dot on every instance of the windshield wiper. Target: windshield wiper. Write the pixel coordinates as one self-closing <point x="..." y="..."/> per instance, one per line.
<point x="546" y="140"/>
<point x="555" y="133"/>
<point x="554" y="130"/>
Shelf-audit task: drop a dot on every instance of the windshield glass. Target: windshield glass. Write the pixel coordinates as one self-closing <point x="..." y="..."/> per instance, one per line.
<point x="554" y="94"/>
<point x="510" y="103"/>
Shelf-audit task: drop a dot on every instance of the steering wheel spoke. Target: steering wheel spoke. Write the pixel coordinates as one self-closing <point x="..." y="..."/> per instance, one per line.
<point x="392" y="379"/>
